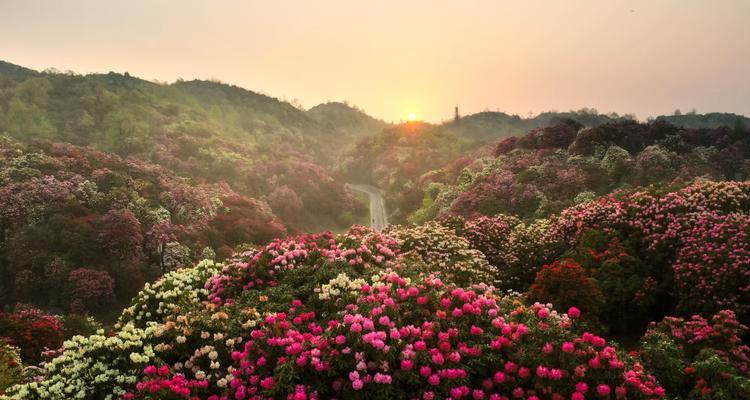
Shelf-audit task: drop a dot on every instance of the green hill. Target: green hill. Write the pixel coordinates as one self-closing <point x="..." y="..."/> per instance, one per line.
<point x="207" y="131"/>
<point x="351" y="122"/>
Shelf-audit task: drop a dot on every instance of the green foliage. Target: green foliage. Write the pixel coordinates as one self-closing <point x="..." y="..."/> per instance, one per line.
<point x="11" y="369"/>
<point x="667" y="360"/>
<point x="80" y="325"/>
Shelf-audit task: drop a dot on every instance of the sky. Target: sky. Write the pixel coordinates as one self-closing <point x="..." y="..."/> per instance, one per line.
<point x="392" y="58"/>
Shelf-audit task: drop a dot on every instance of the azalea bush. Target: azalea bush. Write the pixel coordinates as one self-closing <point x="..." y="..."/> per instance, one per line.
<point x="183" y="287"/>
<point x="358" y="251"/>
<point x="700" y="358"/>
<point x="33" y="332"/>
<point x="712" y="269"/>
<point x="490" y="236"/>
<point x="631" y="284"/>
<point x="567" y="284"/>
<point x="91" y="290"/>
<point x="443" y="251"/>
<point x="97" y="366"/>
<point x="528" y="247"/>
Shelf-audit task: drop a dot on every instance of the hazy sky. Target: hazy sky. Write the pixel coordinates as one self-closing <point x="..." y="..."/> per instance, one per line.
<point x="394" y="57"/>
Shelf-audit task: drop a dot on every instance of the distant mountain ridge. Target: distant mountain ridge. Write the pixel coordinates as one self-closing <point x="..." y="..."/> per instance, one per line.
<point x="210" y="107"/>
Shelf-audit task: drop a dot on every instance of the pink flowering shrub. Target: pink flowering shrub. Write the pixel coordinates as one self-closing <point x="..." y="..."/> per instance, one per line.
<point x="712" y="269"/>
<point x="91" y="290"/>
<point x="490" y="234"/>
<point x="699" y="358"/>
<point x="412" y="337"/>
<point x="498" y="193"/>
<point x="699" y="231"/>
<point x="360" y="250"/>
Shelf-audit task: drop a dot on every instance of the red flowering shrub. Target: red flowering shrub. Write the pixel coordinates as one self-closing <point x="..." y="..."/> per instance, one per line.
<point x="91" y="290"/>
<point x="120" y="233"/>
<point x="566" y="284"/>
<point x="698" y="358"/>
<point x="33" y="332"/>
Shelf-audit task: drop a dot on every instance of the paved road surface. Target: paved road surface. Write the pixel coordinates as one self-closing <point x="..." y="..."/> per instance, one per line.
<point x="378" y="217"/>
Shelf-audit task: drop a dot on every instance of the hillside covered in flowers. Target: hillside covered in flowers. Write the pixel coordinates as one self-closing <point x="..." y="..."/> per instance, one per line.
<point x="641" y="294"/>
<point x="156" y="242"/>
<point x="429" y="171"/>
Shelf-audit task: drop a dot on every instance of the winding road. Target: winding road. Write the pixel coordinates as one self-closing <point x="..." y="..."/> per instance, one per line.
<point x="378" y="217"/>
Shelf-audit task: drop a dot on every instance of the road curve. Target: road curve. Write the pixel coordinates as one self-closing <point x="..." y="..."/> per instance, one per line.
<point x="378" y="217"/>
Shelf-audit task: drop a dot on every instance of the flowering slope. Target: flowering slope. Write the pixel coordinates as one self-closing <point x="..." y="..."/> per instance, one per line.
<point x="348" y="316"/>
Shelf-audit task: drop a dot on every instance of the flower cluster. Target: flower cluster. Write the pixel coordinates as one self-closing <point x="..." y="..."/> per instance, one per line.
<point x="341" y="285"/>
<point x="408" y="337"/>
<point x="183" y="287"/>
<point x="445" y="252"/>
<point x="700" y="358"/>
<point x="32" y="331"/>
<point x="97" y="366"/>
<point x="360" y="249"/>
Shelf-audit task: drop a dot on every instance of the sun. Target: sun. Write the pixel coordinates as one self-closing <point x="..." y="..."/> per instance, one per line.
<point x="412" y="117"/>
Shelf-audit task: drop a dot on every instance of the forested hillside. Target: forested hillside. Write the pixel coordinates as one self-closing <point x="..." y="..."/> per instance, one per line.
<point x="207" y="131"/>
<point x="550" y="168"/>
<point x="400" y="158"/>
<point x="108" y="181"/>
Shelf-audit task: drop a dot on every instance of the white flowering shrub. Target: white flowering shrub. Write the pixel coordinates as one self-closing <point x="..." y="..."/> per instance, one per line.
<point x="176" y="255"/>
<point x="181" y="287"/>
<point x="96" y="367"/>
<point x="445" y="252"/>
<point x="340" y="286"/>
